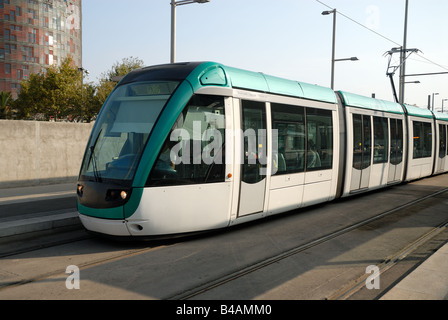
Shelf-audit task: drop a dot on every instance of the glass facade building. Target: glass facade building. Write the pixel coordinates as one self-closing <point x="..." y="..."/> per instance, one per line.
<point x="35" y="34"/>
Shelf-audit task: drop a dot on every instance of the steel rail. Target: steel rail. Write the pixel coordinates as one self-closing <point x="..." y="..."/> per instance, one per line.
<point x="209" y="285"/>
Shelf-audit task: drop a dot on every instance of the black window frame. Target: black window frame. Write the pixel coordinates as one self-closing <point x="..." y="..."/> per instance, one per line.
<point x="316" y="154"/>
<point x="422" y="138"/>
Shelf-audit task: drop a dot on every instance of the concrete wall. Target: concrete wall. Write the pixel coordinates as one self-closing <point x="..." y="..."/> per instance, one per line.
<point x="36" y="152"/>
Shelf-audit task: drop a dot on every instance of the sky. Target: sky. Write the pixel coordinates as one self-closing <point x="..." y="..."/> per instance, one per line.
<point x="284" y="38"/>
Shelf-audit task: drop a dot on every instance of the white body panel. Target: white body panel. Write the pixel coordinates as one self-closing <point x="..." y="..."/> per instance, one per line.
<point x="286" y="192"/>
<point x="179" y="209"/>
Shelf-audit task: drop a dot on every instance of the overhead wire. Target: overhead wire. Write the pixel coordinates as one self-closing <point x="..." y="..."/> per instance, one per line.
<point x="378" y="34"/>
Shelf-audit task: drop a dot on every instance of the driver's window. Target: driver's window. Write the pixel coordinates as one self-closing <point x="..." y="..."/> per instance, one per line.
<point x="194" y="151"/>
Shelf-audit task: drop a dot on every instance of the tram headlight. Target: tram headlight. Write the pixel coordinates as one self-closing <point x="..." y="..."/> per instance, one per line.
<point x="117" y="194"/>
<point x="80" y="190"/>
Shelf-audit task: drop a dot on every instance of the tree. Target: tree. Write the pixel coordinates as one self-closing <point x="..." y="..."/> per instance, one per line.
<point x="5" y="100"/>
<point x="91" y="105"/>
<point x="29" y="102"/>
<point x="56" y="93"/>
<point x="124" y="67"/>
<point x="60" y="92"/>
<point x="109" y="79"/>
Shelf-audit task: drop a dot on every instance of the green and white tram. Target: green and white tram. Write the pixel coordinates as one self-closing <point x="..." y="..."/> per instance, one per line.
<point x="189" y="147"/>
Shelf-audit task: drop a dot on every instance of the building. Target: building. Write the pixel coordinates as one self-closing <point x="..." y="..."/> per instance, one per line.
<point x="35" y="34"/>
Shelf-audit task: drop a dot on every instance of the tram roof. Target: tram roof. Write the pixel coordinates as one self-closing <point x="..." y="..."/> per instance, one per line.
<point x="418" y="112"/>
<point x="163" y="72"/>
<point x="201" y="74"/>
<point x="355" y="100"/>
<point x="269" y="84"/>
<point x="440" y="116"/>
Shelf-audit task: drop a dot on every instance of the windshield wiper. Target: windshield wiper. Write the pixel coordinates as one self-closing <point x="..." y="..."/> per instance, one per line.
<point x="96" y="173"/>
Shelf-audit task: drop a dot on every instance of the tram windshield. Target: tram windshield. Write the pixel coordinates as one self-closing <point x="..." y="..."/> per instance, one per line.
<point x="122" y="129"/>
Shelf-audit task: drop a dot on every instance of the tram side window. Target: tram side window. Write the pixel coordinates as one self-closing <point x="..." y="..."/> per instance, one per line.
<point x="305" y="139"/>
<point x="380" y="140"/>
<point x="319" y="125"/>
<point x="194" y="151"/>
<point x="442" y="140"/>
<point x="422" y="139"/>
<point x="289" y="121"/>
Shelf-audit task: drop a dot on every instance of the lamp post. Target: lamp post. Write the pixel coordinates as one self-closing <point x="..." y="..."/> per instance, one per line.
<point x="325" y="13"/>
<point x="443" y="100"/>
<point x="86" y="72"/>
<point x="333" y="54"/>
<point x="403" y="55"/>
<point x="434" y="94"/>
<point x="174" y="4"/>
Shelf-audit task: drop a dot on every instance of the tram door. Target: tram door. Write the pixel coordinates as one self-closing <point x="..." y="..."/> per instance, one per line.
<point x="396" y="150"/>
<point x="362" y="152"/>
<point x="253" y="167"/>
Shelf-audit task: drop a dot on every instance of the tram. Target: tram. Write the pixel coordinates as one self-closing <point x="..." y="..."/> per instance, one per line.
<point x="190" y="147"/>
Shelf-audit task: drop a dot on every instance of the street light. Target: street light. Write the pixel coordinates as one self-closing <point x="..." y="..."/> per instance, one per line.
<point x="325" y="13"/>
<point x="434" y="94"/>
<point x="174" y="4"/>
<point x="86" y="72"/>
<point x="442" y="103"/>
<point x="347" y="59"/>
<point x="333" y="60"/>
<point x="412" y="81"/>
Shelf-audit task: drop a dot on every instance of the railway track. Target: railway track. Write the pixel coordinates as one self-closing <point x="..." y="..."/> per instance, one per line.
<point x="92" y="263"/>
<point x="192" y="292"/>
<point x="345" y="292"/>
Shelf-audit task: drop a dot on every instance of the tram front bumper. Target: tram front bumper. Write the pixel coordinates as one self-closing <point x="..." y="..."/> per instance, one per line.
<point x="105" y="226"/>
